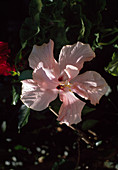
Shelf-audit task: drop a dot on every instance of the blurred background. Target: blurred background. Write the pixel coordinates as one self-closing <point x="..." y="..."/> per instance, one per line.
<point x="31" y="140"/>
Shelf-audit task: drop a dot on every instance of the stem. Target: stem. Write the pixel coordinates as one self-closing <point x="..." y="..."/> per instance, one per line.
<point x="80" y="133"/>
<point x="110" y="42"/>
<point x="78" y="157"/>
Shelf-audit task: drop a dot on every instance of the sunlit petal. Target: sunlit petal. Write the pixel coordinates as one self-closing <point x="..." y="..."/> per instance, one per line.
<point x="70" y="110"/>
<point x="44" y="54"/>
<point x="44" y="77"/>
<point x="35" y="97"/>
<point x="90" y="85"/>
<point x="75" y="55"/>
<point x="68" y="73"/>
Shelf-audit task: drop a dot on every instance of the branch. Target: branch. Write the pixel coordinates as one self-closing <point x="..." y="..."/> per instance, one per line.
<point x="80" y="133"/>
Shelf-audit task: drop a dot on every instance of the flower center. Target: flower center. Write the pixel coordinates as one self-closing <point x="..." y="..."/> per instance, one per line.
<point x="66" y="86"/>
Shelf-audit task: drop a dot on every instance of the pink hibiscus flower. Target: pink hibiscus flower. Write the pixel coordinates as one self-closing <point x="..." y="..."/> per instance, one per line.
<point x="51" y="78"/>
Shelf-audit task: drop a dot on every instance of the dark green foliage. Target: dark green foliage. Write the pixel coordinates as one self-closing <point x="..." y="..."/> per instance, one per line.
<point x="15" y="95"/>
<point x="29" y="30"/>
<point x="87" y="109"/>
<point x="20" y="147"/>
<point x="30" y="26"/>
<point x="88" y="124"/>
<point x="112" y="68"/>
<point x="27" y="74"/>
<point x="35" y="7"/>
<point x="24" y="113"/>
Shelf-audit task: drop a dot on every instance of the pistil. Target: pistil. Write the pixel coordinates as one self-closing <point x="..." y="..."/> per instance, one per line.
<point x="64" y="86"/>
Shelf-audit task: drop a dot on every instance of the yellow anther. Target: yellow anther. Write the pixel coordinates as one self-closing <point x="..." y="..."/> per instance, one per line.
<point x="62" y="85"/>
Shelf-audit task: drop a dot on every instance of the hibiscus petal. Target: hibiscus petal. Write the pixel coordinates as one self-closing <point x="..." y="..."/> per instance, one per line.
<point x="36" y="98"/>
<point x="44" y="77"/>
<point x="68" y="73"/>
<point x="90" y="85"/>
<point x="70" y="110"/>
<point x="44" y="54"/>
<point x="75" y="55"/>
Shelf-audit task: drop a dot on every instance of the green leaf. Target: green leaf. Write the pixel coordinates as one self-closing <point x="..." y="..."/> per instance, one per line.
<point x="18" y="57"/>
<point x="112" y="68"/>
<point x="30" y="27"/>
<point x="28" y="30"/>
<point x="57" y="164"/>
<point x="88" y="124"/>
<point x="110" y="42"/>
<point x="87" y="109"/>
<point x="27" y="74"/>
<point x="15" y="96"/>
<point x="86" y="28"/>
<point x="82" y="31"/>
<point x="35" y="7"/>
<point x="115" y="46"/>
<point x="96" y="42"/>
<point x="20" y="147"/>
<point x="23" y="116"/>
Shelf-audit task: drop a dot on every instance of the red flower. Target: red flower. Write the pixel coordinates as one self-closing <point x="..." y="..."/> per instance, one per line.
<point x="4" y="51"/>
<point x="5" y="67"/>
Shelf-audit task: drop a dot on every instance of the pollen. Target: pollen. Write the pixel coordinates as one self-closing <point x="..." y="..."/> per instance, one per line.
<point x="66" y="86"/>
